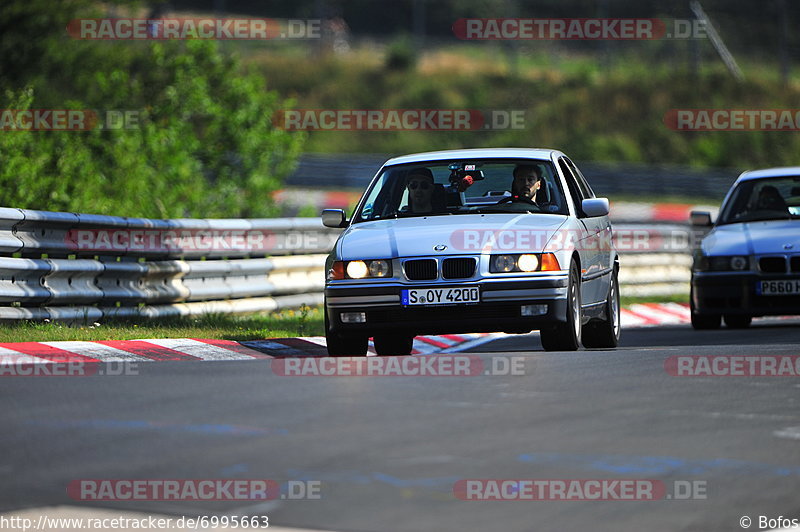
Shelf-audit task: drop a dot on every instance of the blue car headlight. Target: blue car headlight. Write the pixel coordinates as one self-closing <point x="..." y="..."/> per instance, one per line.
<point x="721" y="263"/>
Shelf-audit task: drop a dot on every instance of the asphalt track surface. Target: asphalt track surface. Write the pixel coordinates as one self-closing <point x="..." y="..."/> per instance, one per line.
<point x="388" y="450"/>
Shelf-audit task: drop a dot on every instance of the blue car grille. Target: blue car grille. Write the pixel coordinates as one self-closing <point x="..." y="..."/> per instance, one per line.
<point x="772" y="264"/>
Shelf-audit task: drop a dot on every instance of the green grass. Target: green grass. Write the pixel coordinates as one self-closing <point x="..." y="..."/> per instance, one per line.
<point x="665" y="198"/>
<point x="284" y="324"/>
<point x="287" y="323"/>
<point x="673" y="298"/>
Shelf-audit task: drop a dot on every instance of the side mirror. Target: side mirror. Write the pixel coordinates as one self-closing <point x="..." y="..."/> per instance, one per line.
<point x="700" y="218"/>
<point x="334" y="218"/>
<point x="595" y="207"/>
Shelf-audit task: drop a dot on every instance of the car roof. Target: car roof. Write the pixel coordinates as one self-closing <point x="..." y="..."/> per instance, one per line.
<point x="783" y="171"/>
<point x="476" y="153"/>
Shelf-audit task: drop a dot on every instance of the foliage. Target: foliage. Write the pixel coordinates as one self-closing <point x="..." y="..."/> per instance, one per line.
<point x="593" y="114"/>
<point x="203" y="144"/>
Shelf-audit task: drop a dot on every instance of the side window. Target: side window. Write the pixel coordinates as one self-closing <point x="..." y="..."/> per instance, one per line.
<point x="584" y="186"/>
<point x="574" y="189"/>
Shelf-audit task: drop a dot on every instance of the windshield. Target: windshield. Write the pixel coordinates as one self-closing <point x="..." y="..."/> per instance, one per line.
<point x="776" y="198"/>
<point x="464" y="187"/>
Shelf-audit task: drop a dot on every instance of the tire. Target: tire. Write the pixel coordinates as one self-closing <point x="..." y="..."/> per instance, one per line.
<point x="701" y="322"/>
<point x="737" y="321"/>
<point x="566" y="336"/>
<point x="339" y="346"/>
<point x="605" y="333"/>
<point x="393" y="344"/>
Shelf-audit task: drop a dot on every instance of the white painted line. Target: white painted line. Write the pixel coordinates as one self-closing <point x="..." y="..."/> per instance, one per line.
<point x="98" y="351"/>
<point x="199" y="349"/>
<point x="790" y="433"/>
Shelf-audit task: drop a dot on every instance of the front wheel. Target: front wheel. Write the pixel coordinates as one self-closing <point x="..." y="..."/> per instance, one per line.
<point x="605" y="333"/>
<point x="737" y="321"/>
<point x="342" y="346"/>
<point x="702" y="322"/>
<point x="566" y="336"/>
<point x="393" y="344"/>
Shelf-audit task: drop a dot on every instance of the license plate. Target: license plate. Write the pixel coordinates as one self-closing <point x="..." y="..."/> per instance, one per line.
<point x="779" y="288"/>
<point x="440" y="296"/>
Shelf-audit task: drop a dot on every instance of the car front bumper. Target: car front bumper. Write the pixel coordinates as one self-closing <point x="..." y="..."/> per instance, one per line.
<point x="499" y="309"/>
<point x="736" y="293"/>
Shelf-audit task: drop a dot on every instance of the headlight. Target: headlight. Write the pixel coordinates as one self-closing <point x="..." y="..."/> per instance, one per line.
<point x="722" y="263"/>
<point x="357" y="269"/>
<point x="526" y="262"/>
<point x="504" y="263"/>
<point x="739" y="263"/>
<point x="379" y="268"/>
<point x="360" y="269"/>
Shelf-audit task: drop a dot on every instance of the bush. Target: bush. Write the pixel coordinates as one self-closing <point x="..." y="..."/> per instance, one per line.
<point x="401" y="55"/>
<point x="205" y="144"/>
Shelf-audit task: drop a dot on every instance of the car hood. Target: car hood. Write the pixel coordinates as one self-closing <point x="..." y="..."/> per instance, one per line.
<point x="461" y="234"/>
<point x="753" y="238"/>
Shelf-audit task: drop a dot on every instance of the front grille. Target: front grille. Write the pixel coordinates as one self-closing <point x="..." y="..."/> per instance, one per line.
<point x="795" y="262"/>
<point x="459" y="268"/>
<point x="420" y="270"/>
<point x="772" y="264"/>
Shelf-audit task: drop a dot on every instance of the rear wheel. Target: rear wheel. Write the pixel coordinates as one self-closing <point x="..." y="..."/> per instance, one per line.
<point x="605" y="333"/>
<point x="344" y="346"/>
<point x="736" y="321"/>
<point x="393" y="344"/>
<point x="566" y="336"/>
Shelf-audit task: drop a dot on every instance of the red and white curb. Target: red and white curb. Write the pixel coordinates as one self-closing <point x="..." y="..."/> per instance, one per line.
<point x="654" y="314"/>
<point x="182" y="349"/>
<point x="192" y="349"/>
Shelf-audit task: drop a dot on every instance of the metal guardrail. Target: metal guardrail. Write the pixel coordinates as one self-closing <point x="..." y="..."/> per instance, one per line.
<point x="78" y="267"/>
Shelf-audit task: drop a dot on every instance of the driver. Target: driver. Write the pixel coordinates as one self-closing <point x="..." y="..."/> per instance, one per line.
<point x="527" y="180"/>
<point x="769" y="198"/>
<point x="419" y="183"/>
